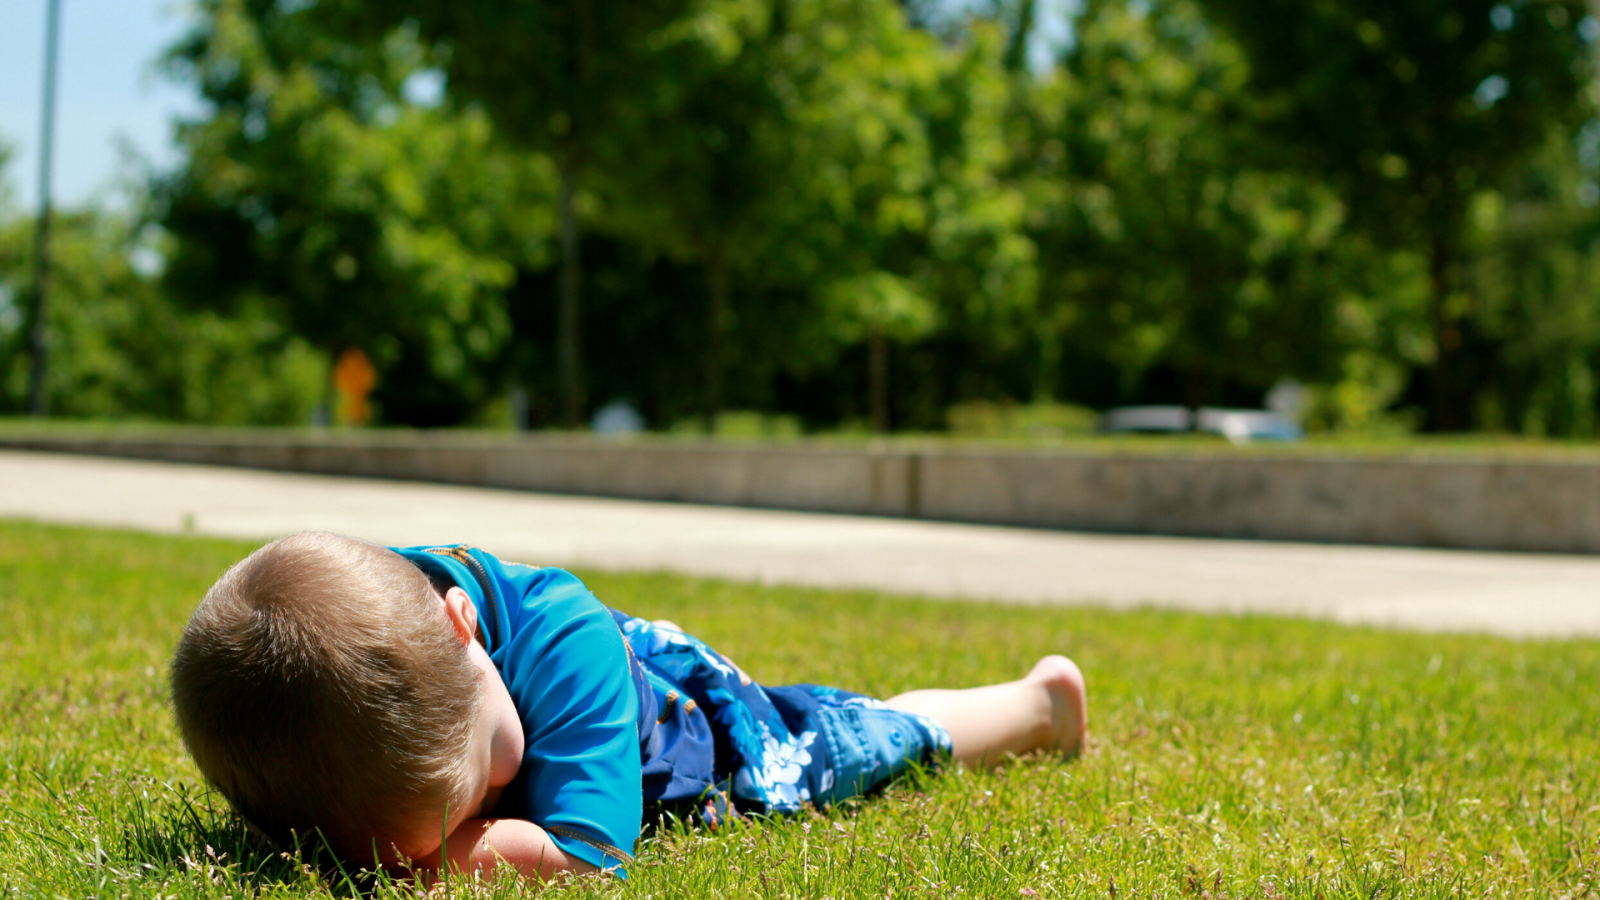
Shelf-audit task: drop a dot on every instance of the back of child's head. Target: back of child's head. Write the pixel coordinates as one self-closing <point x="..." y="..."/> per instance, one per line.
<point x="320" y="685"/>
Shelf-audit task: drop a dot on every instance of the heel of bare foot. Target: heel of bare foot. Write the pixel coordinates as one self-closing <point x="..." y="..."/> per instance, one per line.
<point x="1069" y="700"/>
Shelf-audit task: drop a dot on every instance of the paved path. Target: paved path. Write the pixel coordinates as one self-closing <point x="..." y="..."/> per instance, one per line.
<point x="1512" y="594"/>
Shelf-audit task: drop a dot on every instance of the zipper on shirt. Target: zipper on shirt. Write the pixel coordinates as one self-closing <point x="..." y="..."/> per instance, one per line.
<point x="462" y="553"/>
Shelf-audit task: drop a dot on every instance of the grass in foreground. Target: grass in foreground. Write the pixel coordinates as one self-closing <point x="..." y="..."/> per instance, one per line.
<point x="1229" y="757"/>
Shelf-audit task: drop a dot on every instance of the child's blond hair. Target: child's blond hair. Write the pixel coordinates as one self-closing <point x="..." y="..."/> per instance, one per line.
<point x="320" y="685"/>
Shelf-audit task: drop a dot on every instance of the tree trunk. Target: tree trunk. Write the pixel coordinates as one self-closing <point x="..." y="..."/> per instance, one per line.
<point x="569" y="331"/>
<point x="1196" y="383"/>
<point x="1016" y="55"/>
<point x="1446" y="389"/>
<point x="1044" y="389"/>
<point x="719" y="291"/>
<point x="878" y="378"/>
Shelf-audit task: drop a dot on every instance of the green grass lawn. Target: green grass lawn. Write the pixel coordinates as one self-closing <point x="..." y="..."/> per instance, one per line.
<point x="1228" y="757"/>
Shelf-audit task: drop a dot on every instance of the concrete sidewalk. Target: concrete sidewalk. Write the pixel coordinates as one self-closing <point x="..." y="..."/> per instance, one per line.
<point x="1522" y="595"/>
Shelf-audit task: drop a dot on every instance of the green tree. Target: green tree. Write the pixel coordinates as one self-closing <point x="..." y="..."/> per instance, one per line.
<point x="830" y="148"/>
<point x="1533" y="273"/>
<point x="120" y="350"/>
<point x="313" y="195"/>
<point x="563" y="77"/>
<point x="1172" y="245"/>
<point x="1410" y="107"/>
<point x="980" y="264"/>
<point x="913" y="208"/>
<point x="867" y="172"/>
<point x="720" y="161"/>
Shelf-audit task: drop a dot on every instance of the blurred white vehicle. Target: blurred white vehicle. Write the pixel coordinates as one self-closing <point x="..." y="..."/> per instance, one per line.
<point x="1239" y="426"/>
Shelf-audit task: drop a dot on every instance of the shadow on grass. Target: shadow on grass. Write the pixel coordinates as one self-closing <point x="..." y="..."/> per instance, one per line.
<point x="715" y="812"/>
<point x="192" y="832"/>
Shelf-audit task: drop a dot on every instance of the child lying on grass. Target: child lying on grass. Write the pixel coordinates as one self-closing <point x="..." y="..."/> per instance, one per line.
<point x="435" y="708"/>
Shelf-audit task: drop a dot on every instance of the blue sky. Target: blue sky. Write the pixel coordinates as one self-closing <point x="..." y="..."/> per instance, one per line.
<point x="107" y="92"/>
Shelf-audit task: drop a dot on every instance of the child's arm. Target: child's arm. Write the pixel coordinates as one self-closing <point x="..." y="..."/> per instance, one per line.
<point x="482" y="844"/>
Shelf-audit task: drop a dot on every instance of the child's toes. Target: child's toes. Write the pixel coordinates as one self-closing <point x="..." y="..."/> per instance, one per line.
<point x="1069" y="699"/>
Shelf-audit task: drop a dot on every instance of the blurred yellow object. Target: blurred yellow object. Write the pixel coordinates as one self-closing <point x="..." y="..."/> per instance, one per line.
<point x="354" y="378"/>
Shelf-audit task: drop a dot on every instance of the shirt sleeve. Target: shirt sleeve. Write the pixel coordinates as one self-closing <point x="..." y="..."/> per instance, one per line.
<point x="567" y="669"/>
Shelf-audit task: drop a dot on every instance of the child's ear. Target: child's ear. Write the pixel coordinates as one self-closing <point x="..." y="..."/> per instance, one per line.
<point x="462" y="614"/>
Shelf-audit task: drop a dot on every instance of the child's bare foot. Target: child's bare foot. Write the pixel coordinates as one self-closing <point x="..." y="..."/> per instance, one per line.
<point x="1046" y="709"/>
<point x="1069" y="703"/>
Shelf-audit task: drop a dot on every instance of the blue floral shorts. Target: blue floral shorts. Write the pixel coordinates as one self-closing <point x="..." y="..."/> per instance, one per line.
<point x="713" y="739"/>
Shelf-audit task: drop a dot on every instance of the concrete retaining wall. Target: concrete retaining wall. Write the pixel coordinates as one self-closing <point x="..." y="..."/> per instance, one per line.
<point x="1478" y="504"/>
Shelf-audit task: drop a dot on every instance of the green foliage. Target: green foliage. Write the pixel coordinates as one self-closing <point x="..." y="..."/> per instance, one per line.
<point x="1229" y="757"/>
<point x="1412" y="107"/>
<point x="848" y="211"/>
<point x="567" y="77"/>
<point x="745" y="424"/>
<point x="787" y="156"/>
<point x="121" y="350"/>
<point x="562" y="76"/>
<point x="979" y="418"/>
<point x="315" y="194"/>
<point x="1530" y="291"/>
<point x="6" y="200"/>
<point x="877" y="302"/>
<point x="1173" y="243"/>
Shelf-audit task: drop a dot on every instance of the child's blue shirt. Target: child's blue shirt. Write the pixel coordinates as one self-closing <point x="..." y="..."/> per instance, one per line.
<point x="568" y="670"/>
<point x="618" y="712"/>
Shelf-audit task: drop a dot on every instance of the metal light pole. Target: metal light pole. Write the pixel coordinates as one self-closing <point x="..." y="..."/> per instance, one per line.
<point x="39" y="394"/>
